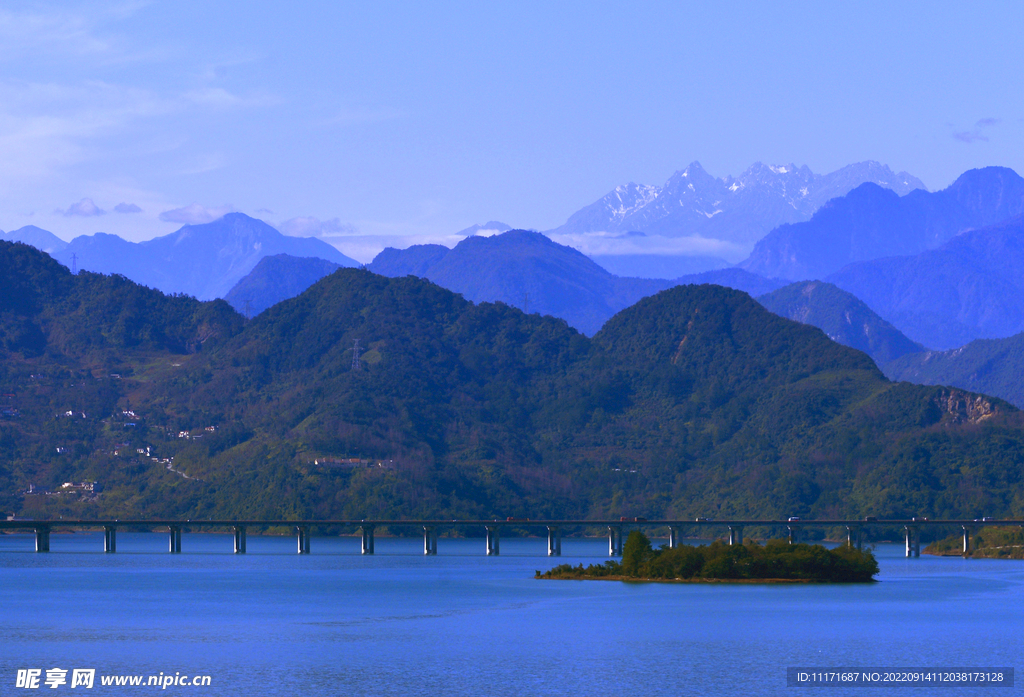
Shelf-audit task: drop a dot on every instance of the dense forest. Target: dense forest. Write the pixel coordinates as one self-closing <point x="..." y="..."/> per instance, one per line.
<point x="696" y="401"/>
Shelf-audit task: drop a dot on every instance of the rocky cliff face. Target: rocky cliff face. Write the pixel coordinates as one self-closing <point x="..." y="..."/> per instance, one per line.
<point x="964" y="407"/>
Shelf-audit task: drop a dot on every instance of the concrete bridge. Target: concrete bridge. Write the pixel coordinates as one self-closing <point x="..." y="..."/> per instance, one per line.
<point x="855" y="530"/>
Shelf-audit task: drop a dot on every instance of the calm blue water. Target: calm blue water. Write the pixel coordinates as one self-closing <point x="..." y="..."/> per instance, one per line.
<point x="272" y="622"/>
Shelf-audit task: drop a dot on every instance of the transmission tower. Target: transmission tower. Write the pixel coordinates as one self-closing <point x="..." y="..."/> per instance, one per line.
<point x="248" y="312"/>
<point x="355" y="356"/>
<point x="74" y="264"/>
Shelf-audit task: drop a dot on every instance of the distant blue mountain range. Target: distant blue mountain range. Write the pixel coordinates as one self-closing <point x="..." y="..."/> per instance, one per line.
<point x="971" y="287"/>
<point x="734" y="209"/>
<point x="41" y="239"/>
<point x="872" y="222"/>
<point x="529" y="271"/>
<point x="204" y="261"/>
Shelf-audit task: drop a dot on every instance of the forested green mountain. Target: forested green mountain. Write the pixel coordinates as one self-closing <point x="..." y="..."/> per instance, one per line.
<point x="992" y="366"/>
<point x="843" y="317"/>
<point x="695" y="401"/>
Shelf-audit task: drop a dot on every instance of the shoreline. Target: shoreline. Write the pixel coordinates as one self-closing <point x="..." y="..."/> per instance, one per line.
<point x="737" y="581"/>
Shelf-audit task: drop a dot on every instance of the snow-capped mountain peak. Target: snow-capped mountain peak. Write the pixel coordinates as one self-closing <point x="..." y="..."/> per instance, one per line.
<point x="735" y="209"/>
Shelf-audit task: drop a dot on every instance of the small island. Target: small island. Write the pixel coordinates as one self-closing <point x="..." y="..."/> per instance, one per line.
<point x="776" y="561"/>
<point x="987" y="543"/>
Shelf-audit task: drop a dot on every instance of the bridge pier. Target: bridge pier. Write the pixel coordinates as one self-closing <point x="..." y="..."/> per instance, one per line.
<point x="614" y="540"/>
<point x="175" y="539"/>
<point x="43" y="538"/>
<point x="792" y="534"/>
<point x="429" y="540"/>
<point x="302" y="537"/>
<point x="913" y="536"/>
<point x="735" y="535"/>
<point x="239" y="539"/>
<point x="854" y="536"/>
<point x="493" y="540"/>
<point x="109" y="538"/>
<point x="554" y="541"/>
<point x="367" y="546"/>
<point x="673" y="537"/>
<point x="967" y="540"/>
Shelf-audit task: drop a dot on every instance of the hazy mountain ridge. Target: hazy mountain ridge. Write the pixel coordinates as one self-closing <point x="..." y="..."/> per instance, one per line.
<point x="740" y="210"/>
<point x="991" y="366"/>
<point x="871" y="223"/>
<point x="274" y="279"/>
<point x="527" y="270"/>
<point x="969" y="288"/>
<point x="522" y="269"/>
<point x="843" y="317"/>
<point x="41" y="239"/>
<point x="204" y="261"/>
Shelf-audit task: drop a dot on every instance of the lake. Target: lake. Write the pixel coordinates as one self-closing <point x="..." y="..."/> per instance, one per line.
<point x="272" y="622"/>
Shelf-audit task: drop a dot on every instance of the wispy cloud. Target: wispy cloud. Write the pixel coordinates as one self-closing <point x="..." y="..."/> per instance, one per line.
<point x="195" y="214"/>
<point x="47" y="127"/>
<point x="313" y="227"/>
<point x="85" y="208"/>
<point x="127" y="208"/>
<point x="56" y="117"/>
<point x="976" y="134"/>
<point x="354" y="116"/>
<point x="603" y="243"/>
<point x="220" y="98"/>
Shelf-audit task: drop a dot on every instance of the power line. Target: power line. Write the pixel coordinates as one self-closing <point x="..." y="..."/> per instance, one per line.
<point x="356" y="364"/>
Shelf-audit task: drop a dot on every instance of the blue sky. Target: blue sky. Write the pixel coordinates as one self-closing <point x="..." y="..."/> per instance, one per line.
<point x="382" y="122"/>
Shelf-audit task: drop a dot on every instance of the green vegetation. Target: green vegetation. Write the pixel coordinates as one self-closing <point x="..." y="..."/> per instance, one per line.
<point x="697" y="401"/>
<point x="777" y="560"/>
<point x="987" y="543"/>
<point x="992" y="366"/>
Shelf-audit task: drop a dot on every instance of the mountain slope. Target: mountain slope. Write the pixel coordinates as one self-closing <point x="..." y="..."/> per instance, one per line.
<point x="526" y="270"/>
<point x="737" y="279"/>
<point x="871" y="223"/>
<point x="843" y="317"/>
<point x="665" y="266"/>
<point x="694" y="401"/>
<point x="416" y="260"/>
<point x="992" y="366"/>
<point x="39" y="238"/>
<point x="204" y="261"/>
<point x="739" y="210"/>
<point x="45" y="311"/>
<point x="969" y="288"/>
<point x="276" y="278"/>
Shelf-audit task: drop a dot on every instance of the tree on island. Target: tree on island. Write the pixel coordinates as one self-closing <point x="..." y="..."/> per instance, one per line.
<point x="775" y="560"/>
